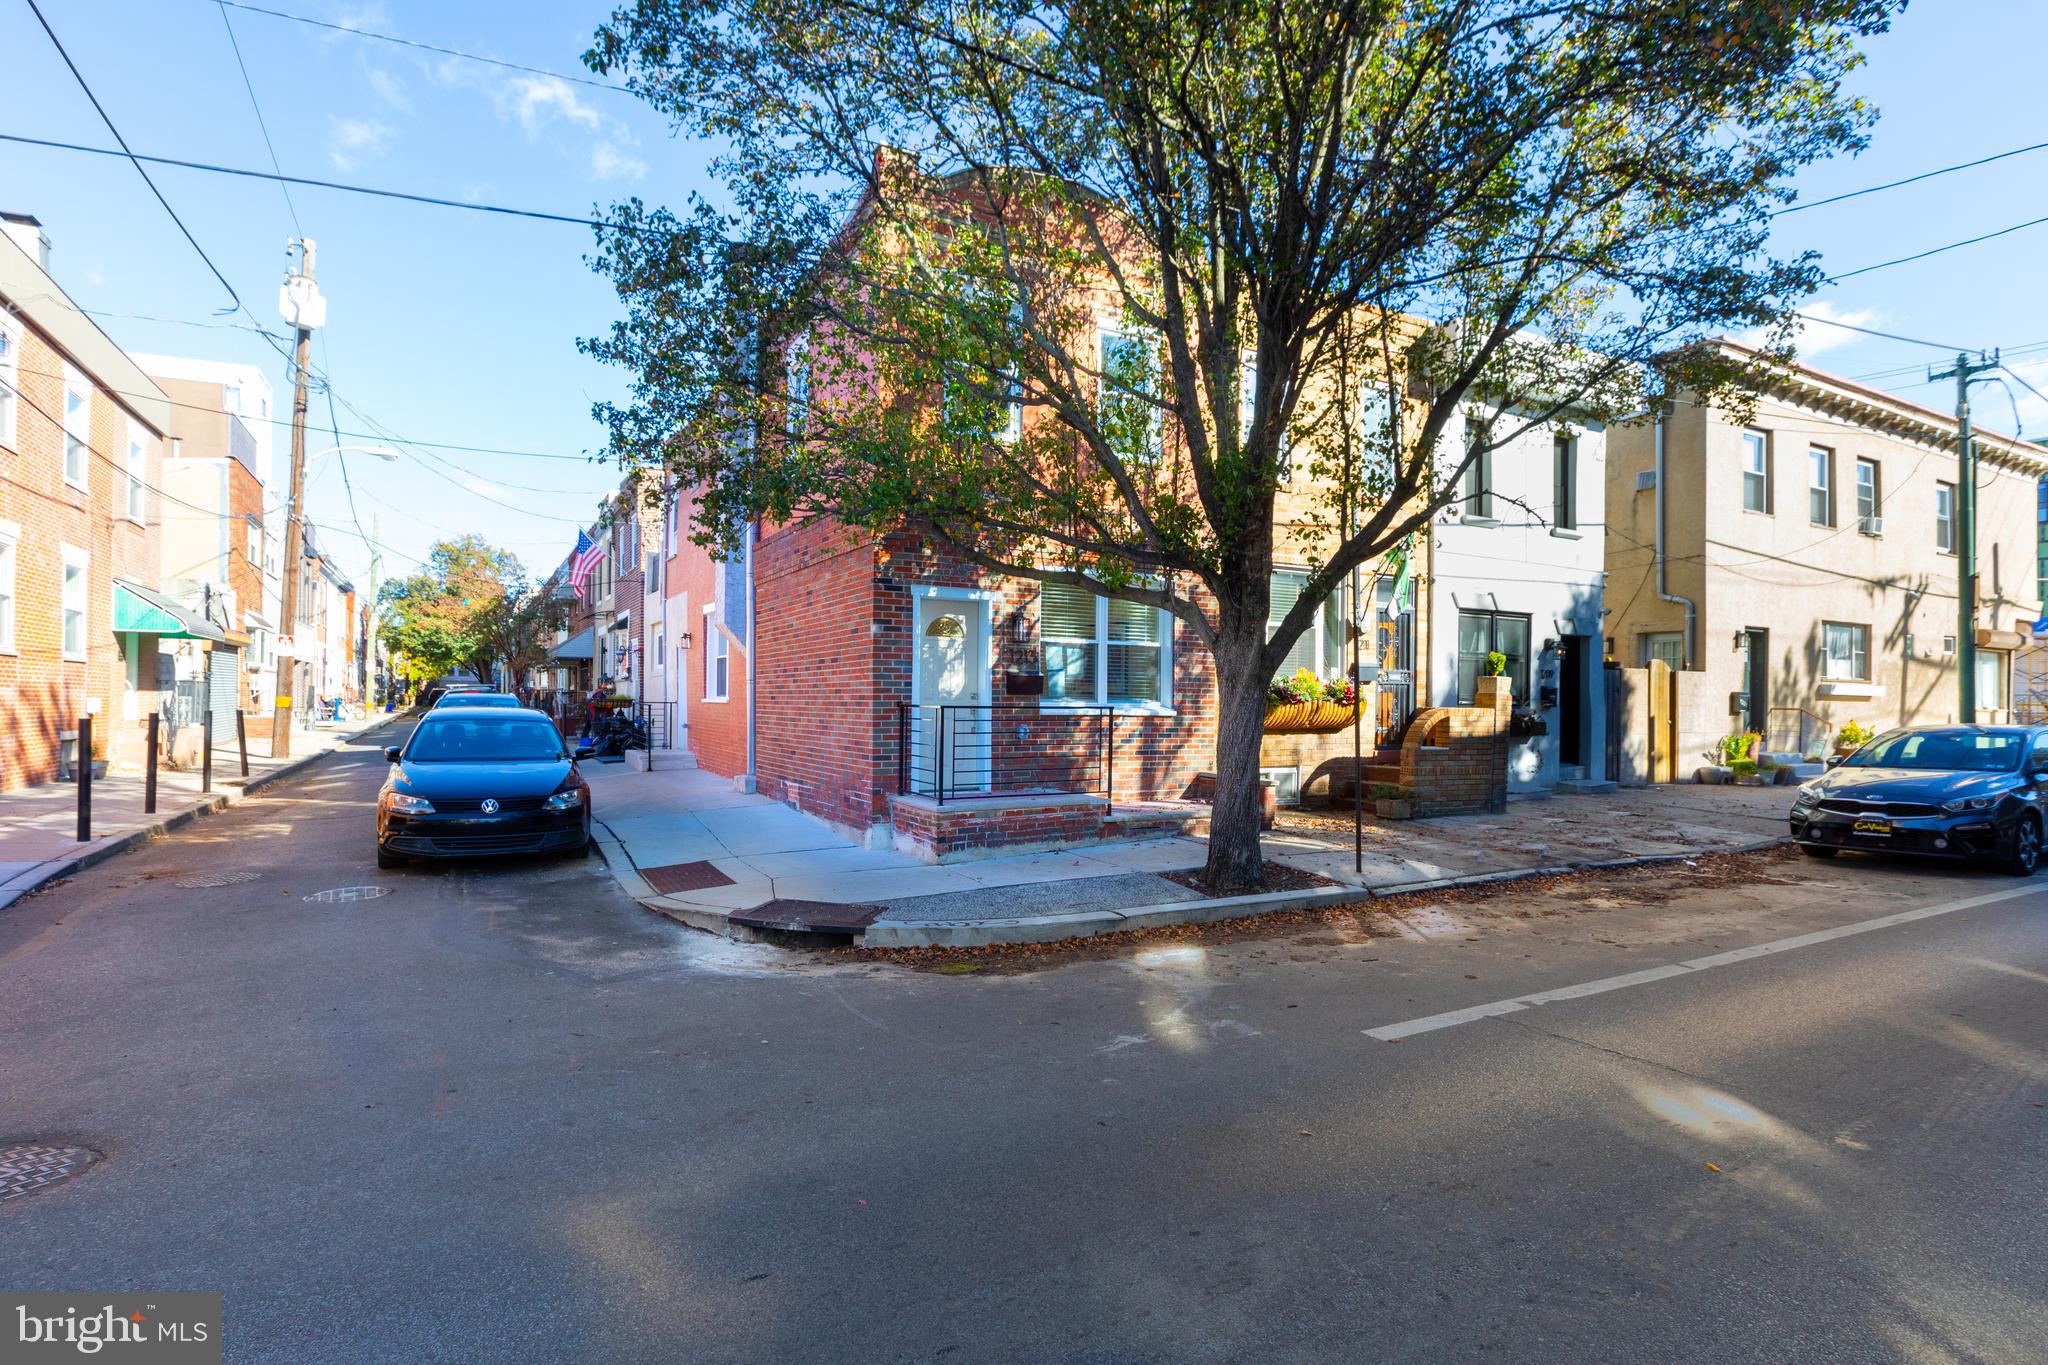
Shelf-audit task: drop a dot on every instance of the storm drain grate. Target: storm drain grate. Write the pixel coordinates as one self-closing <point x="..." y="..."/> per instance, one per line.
<point x="697" y="876"/>
<point x="350" y="893"/>
<point x="209" y="880"/>
<point x="33" y="1167"/>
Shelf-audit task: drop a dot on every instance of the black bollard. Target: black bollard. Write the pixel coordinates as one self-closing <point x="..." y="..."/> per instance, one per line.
<point x="149" y="772"/>
<point x="85" y="779"/>
<point x="242" y="739"/>
<point x="206" y="750"/>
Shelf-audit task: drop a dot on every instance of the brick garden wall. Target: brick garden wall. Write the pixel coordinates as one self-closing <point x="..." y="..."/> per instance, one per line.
<point x="1455" y="758"/>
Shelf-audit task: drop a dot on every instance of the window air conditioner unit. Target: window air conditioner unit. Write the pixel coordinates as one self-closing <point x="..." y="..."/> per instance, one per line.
<point x="1872" y="526"/>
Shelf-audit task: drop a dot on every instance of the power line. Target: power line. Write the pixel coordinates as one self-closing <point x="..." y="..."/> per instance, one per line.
<point x="429" y="47"/>
<point x="261" y="126"/>
<point x="344" y="187"/>
<point x="1910" y="180"/>
<point x="1872" y="332"/>
<point x="1938" y="250"/>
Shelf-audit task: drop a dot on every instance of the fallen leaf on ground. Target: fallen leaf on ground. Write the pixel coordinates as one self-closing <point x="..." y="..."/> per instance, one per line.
<point x="1712" y="1167"/>
<point x="1306" y="1133"/>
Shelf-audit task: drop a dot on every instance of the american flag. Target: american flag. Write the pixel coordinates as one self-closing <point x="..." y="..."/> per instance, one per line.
<point x="588" y="552"/>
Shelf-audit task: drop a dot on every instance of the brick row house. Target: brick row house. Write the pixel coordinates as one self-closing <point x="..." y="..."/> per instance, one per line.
<point x="82" y="445"/>
<point x="910" y="697"/>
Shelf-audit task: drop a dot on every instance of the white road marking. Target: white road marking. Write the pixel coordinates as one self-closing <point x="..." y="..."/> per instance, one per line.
<point x="1408" y="1028"/>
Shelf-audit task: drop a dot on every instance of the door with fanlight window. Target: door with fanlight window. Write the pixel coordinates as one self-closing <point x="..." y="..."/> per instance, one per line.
<point x="949" y="750"/>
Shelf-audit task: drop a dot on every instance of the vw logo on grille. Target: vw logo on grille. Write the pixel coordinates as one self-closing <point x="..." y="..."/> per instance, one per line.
<point x="490" y="807"/>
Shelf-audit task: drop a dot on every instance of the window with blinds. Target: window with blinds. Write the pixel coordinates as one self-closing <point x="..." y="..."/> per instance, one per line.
<point x="1103" y="650"/>
<point x="1322" y="649"/>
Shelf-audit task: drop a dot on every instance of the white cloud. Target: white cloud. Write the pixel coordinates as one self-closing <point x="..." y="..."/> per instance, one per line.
<point x="387" y="89"/>
<point x="1813" y="337"/>
<point x="352" y="141"/>
<point x="537" y="100"/>
<point x="609" y="162"/>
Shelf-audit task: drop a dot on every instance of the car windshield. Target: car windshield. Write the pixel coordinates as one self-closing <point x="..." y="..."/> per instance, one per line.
<point x="485" y="739"/>
<point x="1946" y="751"/>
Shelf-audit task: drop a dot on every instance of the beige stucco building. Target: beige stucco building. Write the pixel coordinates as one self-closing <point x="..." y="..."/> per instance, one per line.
<point x="1808" y="570"/>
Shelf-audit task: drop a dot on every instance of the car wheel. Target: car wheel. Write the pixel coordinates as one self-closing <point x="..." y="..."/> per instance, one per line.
<point x="387" y="861"/>
<point x="2026" y="847"/>
<point x="1818" y="851"/>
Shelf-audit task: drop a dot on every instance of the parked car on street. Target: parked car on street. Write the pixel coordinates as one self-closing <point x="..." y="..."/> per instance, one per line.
<point x="478" y="699"/>
<point x="431" y="694"/>
<point x="477" y="781"/>
<point x="1975" y="792"/>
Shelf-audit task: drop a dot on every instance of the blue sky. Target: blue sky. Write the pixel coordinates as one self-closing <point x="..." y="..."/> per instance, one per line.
<point x="459" y="327"/>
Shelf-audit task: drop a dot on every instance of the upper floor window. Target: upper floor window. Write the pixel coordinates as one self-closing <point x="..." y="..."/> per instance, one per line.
<point x="1479" y="474"/>
<point x="797" y="386"/>
<point x="1945" y="517"/>
<point x="1127" y="403"/>
<point x="252" y="541"/>
<point x="77" y="427"/>
<point x="10" y="536"/>
<point x="1869" y="499"/>
<point x="717" y="657"/>
<point x="1820" y="485"/>
<point x="133" y="471"/>
<point x="1104" y="650"/>
<point x="1756" y="472"/>
<point x="1247" y="405"/>
<point x="1564" y="483"/>
<point x="10" y="380"/>
<point x="72" y="596"/>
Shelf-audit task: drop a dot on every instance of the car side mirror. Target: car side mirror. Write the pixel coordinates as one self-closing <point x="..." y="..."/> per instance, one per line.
<point x="1835" y="760"/>
<point x="391" y="752"/>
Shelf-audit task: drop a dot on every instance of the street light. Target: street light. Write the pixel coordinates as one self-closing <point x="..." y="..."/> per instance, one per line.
<point x="380" y="452"/>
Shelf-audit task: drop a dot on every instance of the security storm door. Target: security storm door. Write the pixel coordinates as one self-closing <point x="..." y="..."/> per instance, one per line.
<point x="950" y="748"/>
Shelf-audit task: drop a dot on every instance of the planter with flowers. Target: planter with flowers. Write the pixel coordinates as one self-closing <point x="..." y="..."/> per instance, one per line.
<point x="1307" y="705"/>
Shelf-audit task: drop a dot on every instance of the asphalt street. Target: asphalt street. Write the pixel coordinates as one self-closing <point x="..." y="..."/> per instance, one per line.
<point x="502" y="1113"/>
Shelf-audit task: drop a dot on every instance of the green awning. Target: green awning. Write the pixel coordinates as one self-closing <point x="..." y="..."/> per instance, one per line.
<point x="144" y="611"/>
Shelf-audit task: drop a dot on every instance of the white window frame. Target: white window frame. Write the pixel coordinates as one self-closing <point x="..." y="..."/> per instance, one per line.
<point x="11" y="334"/>
<point x="252" y="542"/>
<point x="78" y="427"/>
<point x="796" y="373"/>
<point x="1155" y="419"/>
<point x="80" y="602"/>
<point x="717" y="658"/>
<point x="129" y="501"/>
<point x="1564" y="481"/>
<point x="1820" y="483"/>
<point x="1159" y="705"/>
<point x="1870" y="495"/>
<point x="1856" y="657"/>
<point x="1668" y="645"/>
<point x="1944" y="518"/>
<point x="1318" y="629"/>
<point x="10" y="596"/>
<point x="1756" y="466"/>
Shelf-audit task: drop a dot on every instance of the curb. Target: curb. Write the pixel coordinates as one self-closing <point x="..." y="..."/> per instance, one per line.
<point x="1086" y="924"/>
<point x="620" y="864"/>
<point x="209" y="805"/>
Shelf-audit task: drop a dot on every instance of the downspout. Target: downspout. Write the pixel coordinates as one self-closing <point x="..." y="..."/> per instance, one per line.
<point x="1692" y="610"/>
<point x="753" y="640"/>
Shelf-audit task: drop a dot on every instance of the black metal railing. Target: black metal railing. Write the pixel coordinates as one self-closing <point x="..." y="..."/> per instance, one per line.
<point x="658" y="718"/>
<point x="956" y="753"/>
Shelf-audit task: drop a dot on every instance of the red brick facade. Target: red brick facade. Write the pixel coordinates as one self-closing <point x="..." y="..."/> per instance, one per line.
<point x="42" y="691"/>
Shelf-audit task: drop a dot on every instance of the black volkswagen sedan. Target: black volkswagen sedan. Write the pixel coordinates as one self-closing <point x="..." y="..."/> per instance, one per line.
<point x="1977" y="792"/>
<point x="475" y="782"/>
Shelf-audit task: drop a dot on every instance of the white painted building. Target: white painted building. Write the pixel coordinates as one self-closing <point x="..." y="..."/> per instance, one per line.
<point x="1517" y="569"/>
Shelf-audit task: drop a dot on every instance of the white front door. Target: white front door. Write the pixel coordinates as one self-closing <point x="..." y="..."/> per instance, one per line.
<point x="950" y="751"/>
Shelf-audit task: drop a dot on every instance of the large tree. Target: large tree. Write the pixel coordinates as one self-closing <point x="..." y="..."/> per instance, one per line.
<point x="1373" y="239"/>
<point x="469" y="606"/>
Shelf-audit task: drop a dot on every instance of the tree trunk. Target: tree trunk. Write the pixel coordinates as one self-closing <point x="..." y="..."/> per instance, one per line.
<point x="1234" y="862"/>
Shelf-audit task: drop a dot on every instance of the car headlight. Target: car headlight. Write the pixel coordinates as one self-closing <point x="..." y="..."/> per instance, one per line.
<point x="569" y="798"/>
<point x="411" y="805"/>
<point x="1963" y="803"/>
<point x="1806" y="800"/>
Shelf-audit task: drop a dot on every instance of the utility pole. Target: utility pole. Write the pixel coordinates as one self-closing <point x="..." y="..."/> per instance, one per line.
<point x="300" y="302"/>
<point x="1966" y="534"/>
<point x="370" y="690"/>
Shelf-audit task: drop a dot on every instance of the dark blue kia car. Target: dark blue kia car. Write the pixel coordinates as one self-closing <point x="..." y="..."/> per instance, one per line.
<point x="1978" y="792"/>
<point x="478" y="781"/>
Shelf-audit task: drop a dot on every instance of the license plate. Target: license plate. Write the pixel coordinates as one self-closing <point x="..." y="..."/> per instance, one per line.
<point x="1871" y="828"/>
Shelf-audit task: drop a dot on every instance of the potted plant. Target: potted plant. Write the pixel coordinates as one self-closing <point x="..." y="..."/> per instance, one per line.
<point x="1496" y="664"/>
<point x="1307" y="705"/>
<point x="99" y="755"/>
<point x="1392" y="802"/>
<point x="1852" y="736"/>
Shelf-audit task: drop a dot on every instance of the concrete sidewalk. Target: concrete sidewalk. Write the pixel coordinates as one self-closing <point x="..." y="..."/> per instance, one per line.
<point x="39" y="825"/>
<point x="661" y="829"/>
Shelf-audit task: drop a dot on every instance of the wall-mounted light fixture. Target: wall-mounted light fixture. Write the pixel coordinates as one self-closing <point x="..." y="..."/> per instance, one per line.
<point x="1020" y="627"/>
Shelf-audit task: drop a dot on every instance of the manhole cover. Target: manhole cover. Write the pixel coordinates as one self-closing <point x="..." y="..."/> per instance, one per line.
<point x="212" y="879"/>
<point x="350" y="893"/>
<point x="31" y="1167"/>
<point x="684" y="877"/>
